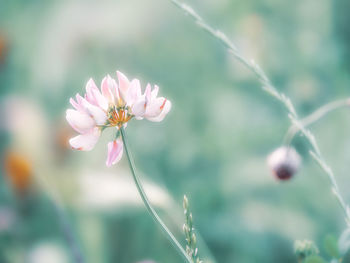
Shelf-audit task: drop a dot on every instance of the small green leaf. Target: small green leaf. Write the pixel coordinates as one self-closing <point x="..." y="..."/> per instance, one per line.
<point x="314" y="259"/>
<point x="331" y="246"/>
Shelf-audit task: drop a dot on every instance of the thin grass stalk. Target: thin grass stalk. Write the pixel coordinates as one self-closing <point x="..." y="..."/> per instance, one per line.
<point x="314" y="117"/>
<point x="148" y="205"/>
<point x="69" y="235"/>
<point x="65" y="224"/>
<point x="269" y="88"/>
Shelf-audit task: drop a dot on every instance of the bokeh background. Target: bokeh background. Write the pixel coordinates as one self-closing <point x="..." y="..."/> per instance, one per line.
<point x="212" y="146"/>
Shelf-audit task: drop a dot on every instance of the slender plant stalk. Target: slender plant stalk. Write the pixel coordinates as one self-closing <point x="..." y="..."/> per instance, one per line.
<point x="268" y="87"/>
<point x="65" y="225"/>
<point x="68" y="234"/>
<point x="148" y="205"/>
<point x="315" y="116"/>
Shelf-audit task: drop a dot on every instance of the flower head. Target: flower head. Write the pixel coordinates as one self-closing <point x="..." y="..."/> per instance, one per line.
<point x="284" y="162"/>
<point x="113" y="105"/>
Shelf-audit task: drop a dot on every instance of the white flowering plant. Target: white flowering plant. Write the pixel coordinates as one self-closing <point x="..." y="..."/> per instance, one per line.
<point x="114" y="104"/>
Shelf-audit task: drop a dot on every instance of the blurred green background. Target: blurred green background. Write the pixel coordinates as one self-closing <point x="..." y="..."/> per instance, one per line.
<point x="212" y="146"/>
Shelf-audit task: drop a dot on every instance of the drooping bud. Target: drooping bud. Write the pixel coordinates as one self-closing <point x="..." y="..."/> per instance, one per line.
<point x="284" y="162"/>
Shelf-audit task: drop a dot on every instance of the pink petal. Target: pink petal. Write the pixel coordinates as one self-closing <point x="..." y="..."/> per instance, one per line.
<point x="108" y="87"/>
<point x="81" y="122"/>
<point x="94" y="96"/>
<point x="87" y="141"/>
<point x="124" y="84"/>
<point x="165" y="111"/>
<point x="90" y="86"/>
<point x="77" y="103"/>
<point x="101" y="101"/>
<point x="79" y="99"/>
<point x="115" y="152"/>
<point x="74" y="103"/>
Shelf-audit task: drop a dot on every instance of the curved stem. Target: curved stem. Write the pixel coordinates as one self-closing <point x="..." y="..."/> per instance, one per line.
<point x="315" y="116"/>
<point x="149" y="207"/>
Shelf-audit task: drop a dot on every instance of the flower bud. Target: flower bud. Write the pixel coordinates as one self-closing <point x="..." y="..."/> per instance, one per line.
<point x="185" y="203"/>
<point x="304" y="249"/>
<point x="284" y="162"/>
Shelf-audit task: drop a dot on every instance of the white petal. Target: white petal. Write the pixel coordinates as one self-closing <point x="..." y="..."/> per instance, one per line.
<point x="101" y="101"/>
<point x="108" y="87"/>
<point x="79" y="99"/>
<point x="154" y="92"/>
<point x="90" y="86"/>
<point x="155" y="107"/>
<point x="148" y="93"/>
<point x="97" y="114"/>
<point x="94" y="96"/>
<point x="85" y="142"/>
<point x="74" y="104"/>
<point x="139" y="108"/>
<point x="134" y="92"/>
<point x="81" y="122"/>
<point x="124" y="84"/>
<point x="165" y="111"/>
<point x="77" y="103"/>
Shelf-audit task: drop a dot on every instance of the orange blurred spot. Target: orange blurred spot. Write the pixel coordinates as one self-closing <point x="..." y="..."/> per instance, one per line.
<point x="3" y="48"/>
<point x="18" y="170"/>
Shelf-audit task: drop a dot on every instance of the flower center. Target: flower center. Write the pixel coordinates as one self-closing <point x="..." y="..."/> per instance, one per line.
<point x="117" y="116"/>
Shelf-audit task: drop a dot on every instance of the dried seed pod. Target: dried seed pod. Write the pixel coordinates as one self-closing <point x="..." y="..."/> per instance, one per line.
<point x="284" y="162"/>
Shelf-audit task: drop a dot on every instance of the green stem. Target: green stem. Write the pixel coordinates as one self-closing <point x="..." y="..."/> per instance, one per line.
<point x="149" y="207"/>
<point x="315" y="116"/>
